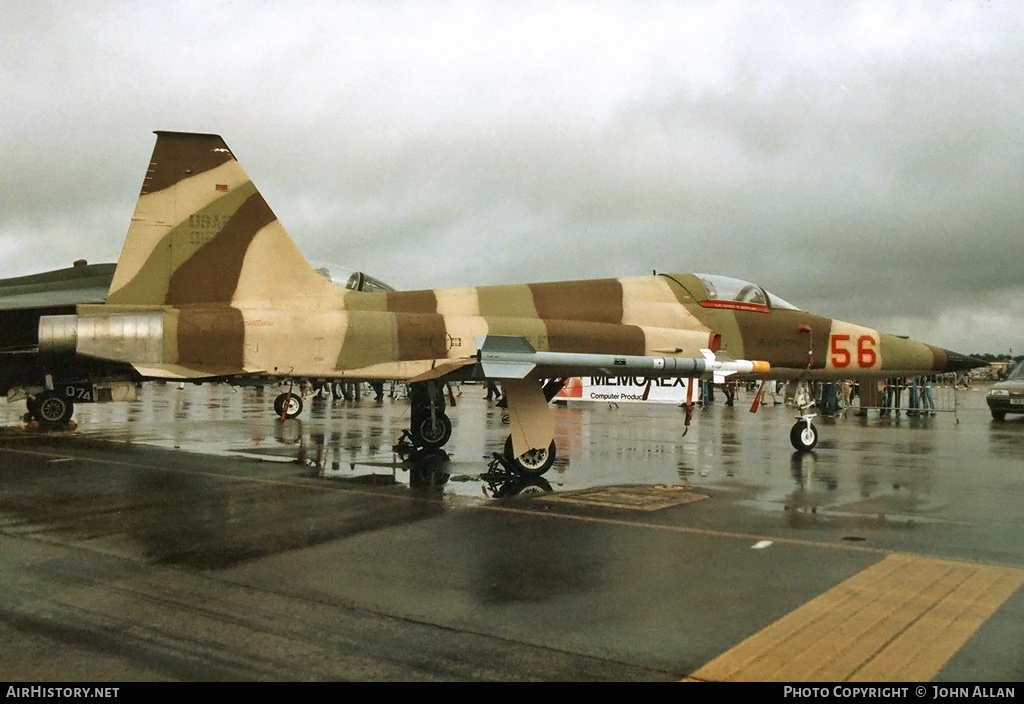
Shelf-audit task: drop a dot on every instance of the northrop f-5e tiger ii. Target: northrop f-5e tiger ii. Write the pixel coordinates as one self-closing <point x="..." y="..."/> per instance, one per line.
<point x="209" y="286"/>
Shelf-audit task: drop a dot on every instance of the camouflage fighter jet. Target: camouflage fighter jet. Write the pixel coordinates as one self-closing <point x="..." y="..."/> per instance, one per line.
<point x="210" y="286"/>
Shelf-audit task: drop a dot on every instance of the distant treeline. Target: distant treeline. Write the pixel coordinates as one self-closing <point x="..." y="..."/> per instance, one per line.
<point x="995" y="357"/>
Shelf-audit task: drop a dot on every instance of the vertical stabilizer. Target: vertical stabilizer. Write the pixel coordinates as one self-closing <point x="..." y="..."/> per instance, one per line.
<point x="202" y="234"/>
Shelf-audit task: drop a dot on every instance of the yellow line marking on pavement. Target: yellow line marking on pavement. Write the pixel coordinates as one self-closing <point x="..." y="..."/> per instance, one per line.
<point x="901" y="619"/>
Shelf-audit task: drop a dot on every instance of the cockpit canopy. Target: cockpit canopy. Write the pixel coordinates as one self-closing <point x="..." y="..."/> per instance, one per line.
<point x="354" y="280"/>
<point x="725" y="290"/>
<point x="364" y="282"/>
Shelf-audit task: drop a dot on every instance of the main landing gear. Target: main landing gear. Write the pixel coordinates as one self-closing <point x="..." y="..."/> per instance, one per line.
<point x="431" y="428"/>
<point x="532" y="463"/>
<point x="430" y="425"/>
<point x="537" y="461"/>
<point x="50" y="408"/>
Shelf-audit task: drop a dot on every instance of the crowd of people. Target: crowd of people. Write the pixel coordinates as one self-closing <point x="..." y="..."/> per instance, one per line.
<point x="912" y="396"/>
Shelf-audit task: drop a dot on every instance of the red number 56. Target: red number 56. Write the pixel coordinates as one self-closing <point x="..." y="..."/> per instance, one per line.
<point x="842" y="355"/>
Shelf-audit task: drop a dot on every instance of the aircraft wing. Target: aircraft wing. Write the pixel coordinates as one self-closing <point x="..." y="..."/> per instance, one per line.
<point x="52" y="299"/>
<point x="84" y="283"/>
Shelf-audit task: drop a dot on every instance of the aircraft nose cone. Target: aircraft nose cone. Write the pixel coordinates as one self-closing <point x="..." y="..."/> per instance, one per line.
<point x="956" y="362"/>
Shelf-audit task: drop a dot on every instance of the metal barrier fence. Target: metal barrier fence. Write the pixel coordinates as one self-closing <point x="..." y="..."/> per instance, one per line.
<point x="914" y="396"/>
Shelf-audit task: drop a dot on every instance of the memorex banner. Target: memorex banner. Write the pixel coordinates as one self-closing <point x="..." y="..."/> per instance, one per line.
<point x="619" y="389"/>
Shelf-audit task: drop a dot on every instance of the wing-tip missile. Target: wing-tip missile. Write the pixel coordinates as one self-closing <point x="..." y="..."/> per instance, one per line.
<point x="502" y="357"/>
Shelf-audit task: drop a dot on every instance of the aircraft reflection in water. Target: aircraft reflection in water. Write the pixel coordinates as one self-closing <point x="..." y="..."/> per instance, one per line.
<point x="429" y="468"/>
<point x="210" y="286"/>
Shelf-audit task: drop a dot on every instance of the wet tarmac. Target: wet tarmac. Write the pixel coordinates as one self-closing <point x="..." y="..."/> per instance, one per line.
<point x="192" y="536"/>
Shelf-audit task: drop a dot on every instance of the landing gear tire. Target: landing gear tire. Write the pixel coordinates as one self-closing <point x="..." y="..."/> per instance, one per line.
<point x="532" y="463"/>
<point x="52" y="408"/>
<point x="288" y="405"/>
<point x="804" y="436"/>
<point x="434" y="432"/>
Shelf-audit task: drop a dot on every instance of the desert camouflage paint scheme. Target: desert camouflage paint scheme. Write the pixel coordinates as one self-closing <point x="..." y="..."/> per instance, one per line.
<point x="209" y="285"/>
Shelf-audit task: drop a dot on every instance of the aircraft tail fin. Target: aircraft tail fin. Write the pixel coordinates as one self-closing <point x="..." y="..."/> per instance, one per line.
<point x="202" y="234"/>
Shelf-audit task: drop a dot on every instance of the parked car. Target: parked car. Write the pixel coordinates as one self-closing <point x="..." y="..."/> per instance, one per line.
<point x="1007" y="396"/>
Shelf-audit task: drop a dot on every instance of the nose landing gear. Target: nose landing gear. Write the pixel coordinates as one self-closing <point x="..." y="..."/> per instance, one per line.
<point x="804" y="435"/>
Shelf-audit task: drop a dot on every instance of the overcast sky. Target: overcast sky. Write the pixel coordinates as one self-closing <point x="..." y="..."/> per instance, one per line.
<point x="863" y="160"/>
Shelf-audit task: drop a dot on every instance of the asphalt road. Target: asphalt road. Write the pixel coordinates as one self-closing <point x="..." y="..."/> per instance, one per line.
<point x="192" y="536"/>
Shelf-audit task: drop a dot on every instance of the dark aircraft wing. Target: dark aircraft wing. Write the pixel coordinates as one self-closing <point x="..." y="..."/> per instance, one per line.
<point x="83" y="283"/>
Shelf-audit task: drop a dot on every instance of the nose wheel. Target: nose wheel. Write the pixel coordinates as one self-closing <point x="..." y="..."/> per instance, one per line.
<point x="804" y="435"/>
